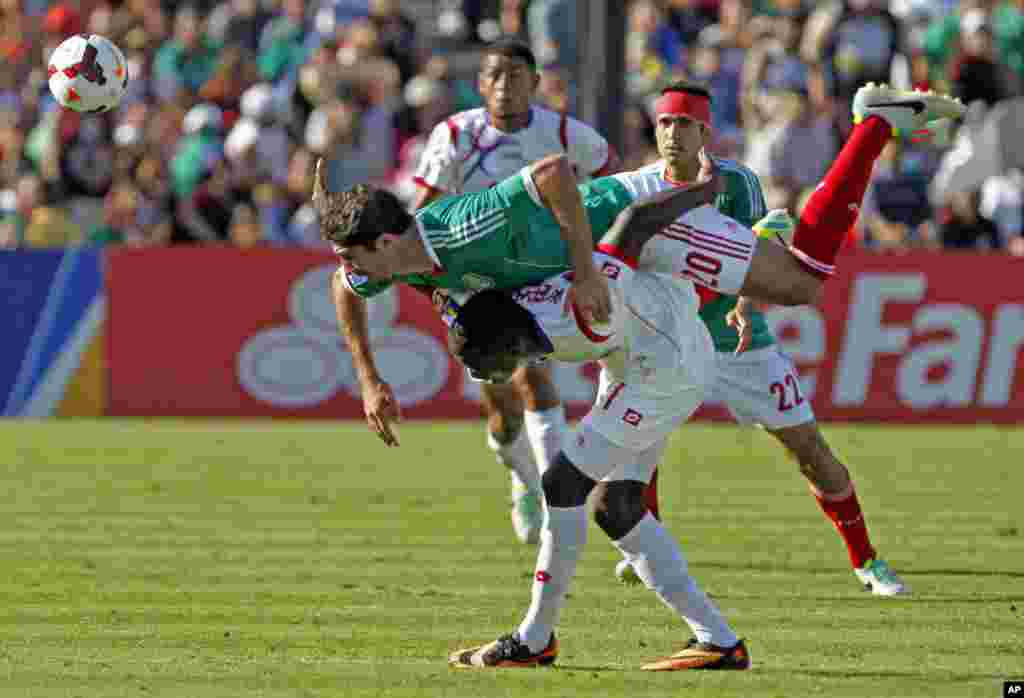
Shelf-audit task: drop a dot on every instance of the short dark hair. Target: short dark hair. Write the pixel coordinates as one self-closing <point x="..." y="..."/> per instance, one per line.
<point x="690" y="88"/>
<point x="512" y="47"/>
<point x="358" y="216"/>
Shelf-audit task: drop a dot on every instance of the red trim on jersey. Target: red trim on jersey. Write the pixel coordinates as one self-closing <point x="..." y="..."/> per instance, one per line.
<point x="712" y="238"/>
<point x="664" y="175"/>
<point x="453" y="130"/>
<point x="563" y="132"/>
<point x="701" y="245"/>
<point x="605" y="169"/>
<point x="420" y="182"/>
<point x="581" y="322"/>
<point x="613" y="251"/>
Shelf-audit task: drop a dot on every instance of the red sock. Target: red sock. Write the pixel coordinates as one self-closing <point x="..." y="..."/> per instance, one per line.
<point x="832" y="208"/>
<point x="651" y="496"/>
<point x="844" y="511"/>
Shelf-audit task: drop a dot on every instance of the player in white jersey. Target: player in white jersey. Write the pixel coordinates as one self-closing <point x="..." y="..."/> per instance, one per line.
<point x="472" y="151"/>
<point x="757" y="382"/>
<point x="659" y="358"/>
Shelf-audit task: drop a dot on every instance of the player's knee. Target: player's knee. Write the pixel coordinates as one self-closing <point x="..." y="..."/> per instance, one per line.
<point x="619" y="506"/>
<point x="565" y="485"/>
<point x="504" y="426"/>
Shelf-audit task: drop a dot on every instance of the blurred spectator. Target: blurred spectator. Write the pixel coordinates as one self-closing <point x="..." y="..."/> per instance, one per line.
<point x="282" y="48"/>
<point x="688" y="18"/>
<point x="961" y="226"/>
<point x="185" y="62"/>
<point x="856" y="41"/>
<point x="239" y="23"/>
<point x="120" y="219"/>
<point x="397" y="35"/>
<point x="201" y="145"/>
<point x="244" y="230"/>
<point x="654" y="49"/>
<point x="552" y="28"/>
<point x="896" y="212"/>
<point x="1006" y="20"/>
<point x="205" y="214"/>
<point x="639" y="147"/>
<point x="975" y="73"/>
<point x="724" y="81"/>
<point x="1002" y="202"/>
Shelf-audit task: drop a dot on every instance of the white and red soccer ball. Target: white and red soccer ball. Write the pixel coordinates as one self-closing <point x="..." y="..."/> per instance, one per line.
<point x="88" y="73"/>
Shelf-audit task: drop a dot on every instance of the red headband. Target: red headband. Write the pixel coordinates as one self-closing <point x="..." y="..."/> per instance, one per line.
<point x="694" y="106"/>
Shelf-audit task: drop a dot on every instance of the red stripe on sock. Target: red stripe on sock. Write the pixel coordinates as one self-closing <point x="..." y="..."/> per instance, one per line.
<point x="848" y="519"/>
<point x="651" y="496"/>
<point x="833" y="207"/>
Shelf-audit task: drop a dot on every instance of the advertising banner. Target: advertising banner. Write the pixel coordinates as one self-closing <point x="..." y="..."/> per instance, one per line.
<point x="53" y="309"/>
<point x="221" y="332"/>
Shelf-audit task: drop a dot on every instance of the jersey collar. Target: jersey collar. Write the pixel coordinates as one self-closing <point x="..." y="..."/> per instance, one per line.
<point x="438" y="268"/>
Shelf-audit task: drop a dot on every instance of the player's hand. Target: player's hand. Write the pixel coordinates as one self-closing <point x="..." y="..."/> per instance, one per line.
<point x="591" y="295"/>
<point x="381" y="409"/>
<point x="709" y="172"/>
<point x="740" y="318"/>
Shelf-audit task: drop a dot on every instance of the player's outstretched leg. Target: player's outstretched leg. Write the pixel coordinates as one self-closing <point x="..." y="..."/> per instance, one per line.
<point x="879" y="112"/>
<point x="832" y="487"/>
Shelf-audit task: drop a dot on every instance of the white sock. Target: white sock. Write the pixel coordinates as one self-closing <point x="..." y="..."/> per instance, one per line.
<point x="561" y="543"/>
<point x="518" y="458"/>
<point x="545" y="430"/>
<point x="659" y="562"/>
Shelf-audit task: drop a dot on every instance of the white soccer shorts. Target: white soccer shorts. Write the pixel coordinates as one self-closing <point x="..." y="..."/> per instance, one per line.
<point x="760" y="387"/>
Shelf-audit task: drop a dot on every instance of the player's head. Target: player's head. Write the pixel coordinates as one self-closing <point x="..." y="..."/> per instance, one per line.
<point x="682" y="120"/>
<point x="363" y="224"/>
<point x="492" y="335"/>
<point x="508" y="77"/>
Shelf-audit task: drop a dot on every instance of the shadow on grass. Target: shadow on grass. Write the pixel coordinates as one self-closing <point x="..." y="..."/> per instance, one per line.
<point x="969" y="573"/>
<point x="579" y="667"/>
<point x="852" y="674"/>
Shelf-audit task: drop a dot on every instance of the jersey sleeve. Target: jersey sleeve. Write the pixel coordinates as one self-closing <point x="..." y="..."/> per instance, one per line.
<point x="743" y="199"/>
<point x="438" y="166"/>
<point x="360" y="285"/>
<point x="587" y="149"/>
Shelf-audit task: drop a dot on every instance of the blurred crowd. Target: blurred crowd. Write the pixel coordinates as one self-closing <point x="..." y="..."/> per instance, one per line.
<point x="231" y="103"/>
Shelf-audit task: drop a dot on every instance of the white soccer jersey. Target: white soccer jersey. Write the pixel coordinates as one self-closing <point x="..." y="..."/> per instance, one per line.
<point x="703" y="245"/>
<point x="657" y="358"/>
<point x="466" y="153"/>
<point x="653" y="339"/>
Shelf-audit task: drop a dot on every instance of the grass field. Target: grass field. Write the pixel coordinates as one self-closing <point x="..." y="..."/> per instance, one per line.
<point x="221" y="559"/>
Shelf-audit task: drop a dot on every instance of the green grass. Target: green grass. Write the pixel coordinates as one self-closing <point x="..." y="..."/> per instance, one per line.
<point x="221" y="559"/>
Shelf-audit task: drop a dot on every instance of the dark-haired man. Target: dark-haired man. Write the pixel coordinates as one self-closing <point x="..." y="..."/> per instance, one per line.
<point x="659" y="360"/>
<point x="469" y="152"/>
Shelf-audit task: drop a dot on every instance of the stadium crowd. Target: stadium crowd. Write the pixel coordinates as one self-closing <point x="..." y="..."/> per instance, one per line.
<point x="231" y="103"/>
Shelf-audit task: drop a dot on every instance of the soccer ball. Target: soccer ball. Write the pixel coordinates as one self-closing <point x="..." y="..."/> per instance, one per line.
<point x="88" y="73"/>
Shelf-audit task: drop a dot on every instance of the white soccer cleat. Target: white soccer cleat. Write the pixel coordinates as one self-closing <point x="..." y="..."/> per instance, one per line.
<point x="878" y="578"/>
<point x="527" y="514"/>
<point x="906" y="111"/>
<point x="625" y="573"/>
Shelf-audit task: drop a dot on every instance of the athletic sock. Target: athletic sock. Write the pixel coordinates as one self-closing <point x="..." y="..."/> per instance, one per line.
<point x="516" y="456"/>
<point x="544" y="430"/>
<point x="832" y="209"/>
<point x="651" y="496"/>
<point x="561" y="543"/>
<point x="843" y="510"/>
<point x="659" y="562"/>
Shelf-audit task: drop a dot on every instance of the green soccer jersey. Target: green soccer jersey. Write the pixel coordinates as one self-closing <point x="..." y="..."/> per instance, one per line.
<point x="501" y="237"/>
<point x="743" y="200"/>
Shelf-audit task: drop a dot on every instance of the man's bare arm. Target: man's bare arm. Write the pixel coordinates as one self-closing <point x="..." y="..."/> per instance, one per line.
<point x="556" y="184"/>
<point x="379" y="403"/>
